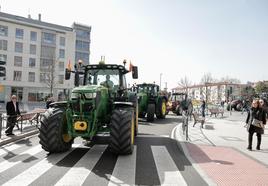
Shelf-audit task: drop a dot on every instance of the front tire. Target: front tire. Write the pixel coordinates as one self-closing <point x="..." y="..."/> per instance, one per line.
<point x="53" y="131"/>
<point x="150" y="112"/>
<point x="122" y="131"/>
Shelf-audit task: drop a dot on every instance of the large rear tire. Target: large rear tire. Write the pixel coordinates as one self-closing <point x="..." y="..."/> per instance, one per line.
<point x="53" y="131"/>
<point x="122" y="131"/>
<point x="150" y="112"/>
<point x="162" y="109"/>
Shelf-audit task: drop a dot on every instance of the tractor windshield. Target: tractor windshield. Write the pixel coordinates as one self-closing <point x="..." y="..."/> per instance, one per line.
<point x="104" y="77"/>
<point x="151" y="89"/>
<point x="179" y="97"/>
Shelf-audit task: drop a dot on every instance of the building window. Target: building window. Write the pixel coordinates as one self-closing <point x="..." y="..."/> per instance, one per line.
<point x="62" y="53"/>
<point x="61" y="66"/>
<point x="46" y="63"/>
<point x="43" y="77"/>
<point x="62" y="41"/>
<point x="19" y="33"/>
<point x="48" y="52"/>
<point x="33" y="96"/>
<point x="83" y="34"/>
<point x="82" y="56"/>
<point x="61" y="79"/>
<point x="18" y="61"/>
<point x="3" y="44"/>
<point x="33" y="49"/>
<point x="3" y="30"/>
<point x="33" y="36"/>
<point x="17" y="76"/>
<point x="49" y="38"/>
<point x="18" y="47"/>
<point x="32" y="62"/>
<point x="31" y="77"/>
<point x="3" y="57"/>
<point x="82" y="45"/>
<point x="18" y="91"/>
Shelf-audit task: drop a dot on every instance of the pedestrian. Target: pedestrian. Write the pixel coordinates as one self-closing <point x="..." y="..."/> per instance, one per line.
<point x="49" y="101"/>
<point x="12" y="108"/>
<point x="222" y="104"/>
<point x="203" y="107"/>
<point x="256" y="120"/>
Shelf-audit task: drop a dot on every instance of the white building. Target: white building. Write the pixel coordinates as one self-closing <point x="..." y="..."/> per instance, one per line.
<point x="213" y="92"/>
<point x="32" y="49"/>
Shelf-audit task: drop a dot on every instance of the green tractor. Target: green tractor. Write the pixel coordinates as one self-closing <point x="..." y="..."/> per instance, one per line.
<point x="151" y="102"/>
<point x="101" y="106"/>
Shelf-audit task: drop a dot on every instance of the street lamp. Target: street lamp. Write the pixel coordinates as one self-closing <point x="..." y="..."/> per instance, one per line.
<point x="160" y="79"/>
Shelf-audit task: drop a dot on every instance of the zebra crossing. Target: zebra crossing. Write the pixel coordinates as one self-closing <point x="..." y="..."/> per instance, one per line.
<point x="150" y="164"/>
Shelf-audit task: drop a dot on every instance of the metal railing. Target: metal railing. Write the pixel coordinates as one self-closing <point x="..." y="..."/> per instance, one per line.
<point x="33" y="118"/>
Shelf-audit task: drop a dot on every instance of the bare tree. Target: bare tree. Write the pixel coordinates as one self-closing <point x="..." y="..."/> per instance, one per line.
<point x="48" y="69"/>
<point x="206" y="80"/>
<point x="228" y="79"/>
<point x="51" y="77"/>
<point x="185" y="83"/>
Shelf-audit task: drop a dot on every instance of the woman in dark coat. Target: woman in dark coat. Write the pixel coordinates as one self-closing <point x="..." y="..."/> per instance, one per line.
<point x="255" y="115"/>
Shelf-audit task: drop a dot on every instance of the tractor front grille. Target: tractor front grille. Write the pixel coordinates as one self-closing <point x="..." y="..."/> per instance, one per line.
<point x="87" y="107"/>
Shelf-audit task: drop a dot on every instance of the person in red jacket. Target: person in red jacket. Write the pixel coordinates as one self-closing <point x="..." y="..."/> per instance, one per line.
<point x="12" y="108"/>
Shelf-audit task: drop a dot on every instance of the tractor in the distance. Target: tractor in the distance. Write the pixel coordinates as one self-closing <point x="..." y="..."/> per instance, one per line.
<point x="101" y="106"/>
<point x="180" y="102"/>
<point x="150" y="101"/>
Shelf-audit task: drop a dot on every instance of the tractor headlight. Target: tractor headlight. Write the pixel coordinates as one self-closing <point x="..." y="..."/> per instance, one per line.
<point x="90" y="95"/>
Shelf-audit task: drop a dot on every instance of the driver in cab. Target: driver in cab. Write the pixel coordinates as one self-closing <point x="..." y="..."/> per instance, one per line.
<point x="108" y="83"/>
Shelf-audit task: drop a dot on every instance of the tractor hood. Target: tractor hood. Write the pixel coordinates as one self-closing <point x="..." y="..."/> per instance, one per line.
<point x="87" y="89"/>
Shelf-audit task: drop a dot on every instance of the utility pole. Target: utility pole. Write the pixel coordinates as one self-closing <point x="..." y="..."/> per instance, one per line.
<point x="160" y="79"/>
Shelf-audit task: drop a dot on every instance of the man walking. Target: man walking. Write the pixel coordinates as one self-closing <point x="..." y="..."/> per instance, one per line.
<point x="203" y="108"/>
<point x="13" y="110"/>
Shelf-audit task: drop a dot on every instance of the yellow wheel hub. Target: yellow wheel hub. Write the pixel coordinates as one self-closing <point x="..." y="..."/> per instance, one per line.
<point x="132" y="130"/>
<point x="164" y="108"/>
<point x="66" y="138"/>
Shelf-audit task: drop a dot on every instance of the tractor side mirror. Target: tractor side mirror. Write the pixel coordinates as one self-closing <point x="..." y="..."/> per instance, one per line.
<point x="135" y="72"/>
<point x="76" y="79"/>
<point x="67" y="74"/>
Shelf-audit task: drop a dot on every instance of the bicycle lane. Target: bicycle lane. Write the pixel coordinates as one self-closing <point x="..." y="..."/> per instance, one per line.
<point x="222" y="165"/>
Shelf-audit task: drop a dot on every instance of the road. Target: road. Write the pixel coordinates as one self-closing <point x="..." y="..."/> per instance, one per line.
<point x="157" y="160"/>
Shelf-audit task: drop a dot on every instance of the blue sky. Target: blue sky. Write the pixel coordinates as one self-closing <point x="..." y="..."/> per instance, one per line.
<point x="174" y="37"/>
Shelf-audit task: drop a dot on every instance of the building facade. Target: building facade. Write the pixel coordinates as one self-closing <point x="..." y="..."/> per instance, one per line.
<point x="36" y="55"/>
<point x="213" y="92"/>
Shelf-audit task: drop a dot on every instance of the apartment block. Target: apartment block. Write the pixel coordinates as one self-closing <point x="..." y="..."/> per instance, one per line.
<point x="36" y="55"/>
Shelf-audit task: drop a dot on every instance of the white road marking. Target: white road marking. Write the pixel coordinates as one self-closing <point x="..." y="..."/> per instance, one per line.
<point x="31" y="174"/>
<point x="4" y="150"/>
<point x="25" y="155"/>
<point x="79" y="172"/>
<point x="166" y="168"/>
<point x="124" y="171"/>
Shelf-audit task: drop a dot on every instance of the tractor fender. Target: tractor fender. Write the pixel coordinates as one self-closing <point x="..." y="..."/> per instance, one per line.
<point x="123" y="104"/>
<point x="59" y="104"/>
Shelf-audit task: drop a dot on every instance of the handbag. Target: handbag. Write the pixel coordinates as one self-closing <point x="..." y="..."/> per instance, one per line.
<point x="257" y="123"/>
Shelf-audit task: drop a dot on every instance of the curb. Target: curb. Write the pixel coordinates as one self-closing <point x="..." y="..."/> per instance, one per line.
<point x="18" y="137"/>
<point x="178" y="138"/>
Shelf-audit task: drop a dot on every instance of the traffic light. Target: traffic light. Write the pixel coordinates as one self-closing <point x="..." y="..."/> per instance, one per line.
<point x="2" y="68"/>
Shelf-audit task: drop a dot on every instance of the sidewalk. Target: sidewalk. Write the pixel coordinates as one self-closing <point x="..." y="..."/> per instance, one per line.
<point x="219" y="151"/>
<point x="27" y="130"/>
